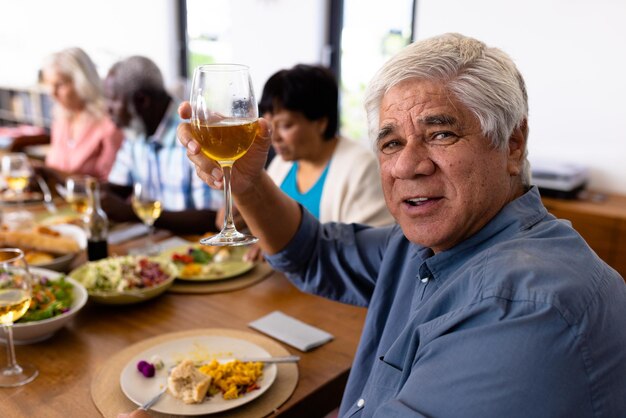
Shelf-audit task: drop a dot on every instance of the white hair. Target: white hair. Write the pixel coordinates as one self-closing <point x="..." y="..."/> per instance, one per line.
<point x="76" y="64"/>
<point x="484" y="79"/>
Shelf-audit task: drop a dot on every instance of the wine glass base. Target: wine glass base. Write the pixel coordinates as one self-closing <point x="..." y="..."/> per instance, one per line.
<point x="18" y="376"/>
<point x="233" y="239"/>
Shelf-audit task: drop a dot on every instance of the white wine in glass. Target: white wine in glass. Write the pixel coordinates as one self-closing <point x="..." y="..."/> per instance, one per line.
<point x="15" y="297"/>
<point x="147" y="206"/>
<point x="224" y="122"/>
<point x="17" y="171"/>
<point x="76" y="193"/>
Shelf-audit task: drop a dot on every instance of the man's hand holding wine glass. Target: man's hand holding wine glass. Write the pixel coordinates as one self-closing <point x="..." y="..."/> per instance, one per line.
<point x="248" y="167"/>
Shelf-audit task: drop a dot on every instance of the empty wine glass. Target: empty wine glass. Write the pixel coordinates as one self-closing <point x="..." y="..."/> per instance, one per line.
<point x="15" y="296"/>
<point x="147" y="205"/>
<point x="224" y="122"/>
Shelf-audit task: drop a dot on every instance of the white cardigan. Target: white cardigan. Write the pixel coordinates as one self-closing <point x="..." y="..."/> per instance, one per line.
<point x="352" y="191"/>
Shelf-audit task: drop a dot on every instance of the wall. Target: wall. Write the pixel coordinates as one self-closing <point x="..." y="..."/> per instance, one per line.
<point x="106" y="29"/>
<point x="280" y="34"/>
<point x="111" y="29"/>
<point x="572" y="55"/>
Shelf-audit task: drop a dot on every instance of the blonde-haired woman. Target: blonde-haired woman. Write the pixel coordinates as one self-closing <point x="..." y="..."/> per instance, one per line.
<point x="83" y="138"/>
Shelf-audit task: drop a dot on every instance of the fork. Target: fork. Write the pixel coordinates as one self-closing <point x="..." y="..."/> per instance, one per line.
<point x="270" y="360"/>
<point x="148" y="404"/>
<point x="47" y="196"/>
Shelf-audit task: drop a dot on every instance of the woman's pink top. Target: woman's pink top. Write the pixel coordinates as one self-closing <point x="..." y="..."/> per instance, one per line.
<point x="91" y="152"/>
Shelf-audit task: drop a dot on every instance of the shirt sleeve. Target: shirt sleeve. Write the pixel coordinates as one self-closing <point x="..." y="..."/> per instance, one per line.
<point x="334" y="260"/>
<point x="121" y="172"/>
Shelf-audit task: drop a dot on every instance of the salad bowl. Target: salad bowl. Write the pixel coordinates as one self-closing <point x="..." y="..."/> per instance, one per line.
<point x="126" y="279"/>
<point x="42" y="329"/>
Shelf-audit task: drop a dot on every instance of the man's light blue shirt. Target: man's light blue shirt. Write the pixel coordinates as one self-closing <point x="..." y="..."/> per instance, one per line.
<point x="161" y="161"/>
<point x="520" y="320"/>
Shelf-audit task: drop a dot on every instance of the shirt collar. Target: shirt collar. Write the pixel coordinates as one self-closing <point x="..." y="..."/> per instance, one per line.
<point x="520" y="214"/>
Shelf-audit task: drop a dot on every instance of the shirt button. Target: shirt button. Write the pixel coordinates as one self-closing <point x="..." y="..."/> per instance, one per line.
<point x="360" y="403"/>
<point x="425" y="279"/>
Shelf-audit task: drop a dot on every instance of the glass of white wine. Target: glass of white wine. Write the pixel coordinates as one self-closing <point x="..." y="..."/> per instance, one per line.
<point x="76" y="193"/>
<point x="17" y="173"/>
<point x="146" y="202"/>
<point x="224" y="122"/>
<point x="15" y="296"/>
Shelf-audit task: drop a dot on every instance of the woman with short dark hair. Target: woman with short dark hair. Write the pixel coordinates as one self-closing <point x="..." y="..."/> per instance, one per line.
<point x="334" y="178"/>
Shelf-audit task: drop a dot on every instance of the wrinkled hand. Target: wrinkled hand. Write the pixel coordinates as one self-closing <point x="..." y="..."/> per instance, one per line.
<point x="246" y="170"/>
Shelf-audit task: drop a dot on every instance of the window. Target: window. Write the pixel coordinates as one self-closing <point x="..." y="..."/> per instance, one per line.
<point x="208" y="25"/>
<point x="371" y="34"/>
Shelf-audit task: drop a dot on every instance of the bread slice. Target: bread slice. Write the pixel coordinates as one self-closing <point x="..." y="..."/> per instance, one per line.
<point x="39" y="240"/>
<point x="185" y="382"/>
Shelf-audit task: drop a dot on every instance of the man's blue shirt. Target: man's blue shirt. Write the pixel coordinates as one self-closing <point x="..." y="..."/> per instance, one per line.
<point x="520" y="320"/>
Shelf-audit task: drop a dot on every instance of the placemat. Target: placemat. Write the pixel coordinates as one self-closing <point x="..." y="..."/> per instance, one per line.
<point x="260" y="271"/>
<point x="109" y="399"/>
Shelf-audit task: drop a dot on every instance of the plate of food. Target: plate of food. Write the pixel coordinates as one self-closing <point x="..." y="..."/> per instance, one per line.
<point x="9" y="197"/>
<point x="56" y="298"/>
<point x="125" y="279"/>
<point x="202" y="375"/>
<point x="196" y="262"/>
<point x="51" y="247"/>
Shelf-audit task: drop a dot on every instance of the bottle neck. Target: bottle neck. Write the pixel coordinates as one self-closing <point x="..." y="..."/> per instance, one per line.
<point x="93" y="197"/>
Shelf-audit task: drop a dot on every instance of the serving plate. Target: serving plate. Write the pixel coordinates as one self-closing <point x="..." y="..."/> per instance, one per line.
<point x="62" y="262"/>
<point x="200" y="349"/>
<point x="234" y="266"/>
<point x="8" y="197"/>
<point x="106" y="270"/>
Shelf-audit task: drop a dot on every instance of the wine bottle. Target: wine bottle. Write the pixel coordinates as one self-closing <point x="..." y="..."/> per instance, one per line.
<point x="97" y="223"/>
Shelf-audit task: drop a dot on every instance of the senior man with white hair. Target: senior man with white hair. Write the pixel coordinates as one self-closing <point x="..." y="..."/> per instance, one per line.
<point x="480" y="303"/>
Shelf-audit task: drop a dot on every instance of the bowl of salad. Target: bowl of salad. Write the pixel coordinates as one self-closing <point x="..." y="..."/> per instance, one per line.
<point x="125" y="279"/>
<point x="56" y="298"/>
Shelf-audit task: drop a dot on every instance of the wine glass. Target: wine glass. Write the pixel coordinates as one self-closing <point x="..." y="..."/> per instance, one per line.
<point x="15" y="296"/>
<point x="17" y="171"/>
<point x="224" y="122"/>
<point x="146" y="202"/>
<point x="76" y="193"/>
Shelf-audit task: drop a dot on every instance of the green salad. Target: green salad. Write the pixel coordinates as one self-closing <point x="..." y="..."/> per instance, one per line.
<point x="49" y="298"/>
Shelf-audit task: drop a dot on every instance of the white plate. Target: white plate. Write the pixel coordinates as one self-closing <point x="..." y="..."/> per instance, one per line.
<point x="200" y="348"/>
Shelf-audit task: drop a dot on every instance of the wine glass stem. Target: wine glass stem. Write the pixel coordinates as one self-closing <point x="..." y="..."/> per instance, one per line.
<point x="12" y="367"/>
<point x="229" y="224"/>
<point x="151" y="234"/>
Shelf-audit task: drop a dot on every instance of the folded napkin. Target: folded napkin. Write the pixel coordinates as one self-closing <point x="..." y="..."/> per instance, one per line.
<point x="291" y="331"/>
<point x="126" y="232"/>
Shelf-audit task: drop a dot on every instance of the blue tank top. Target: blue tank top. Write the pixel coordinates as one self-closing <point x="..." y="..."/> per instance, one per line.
<point x="312" y="198"/>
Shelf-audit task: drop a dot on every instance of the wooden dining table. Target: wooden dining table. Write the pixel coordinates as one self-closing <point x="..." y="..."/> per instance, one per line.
<point x="70" y="360"/>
